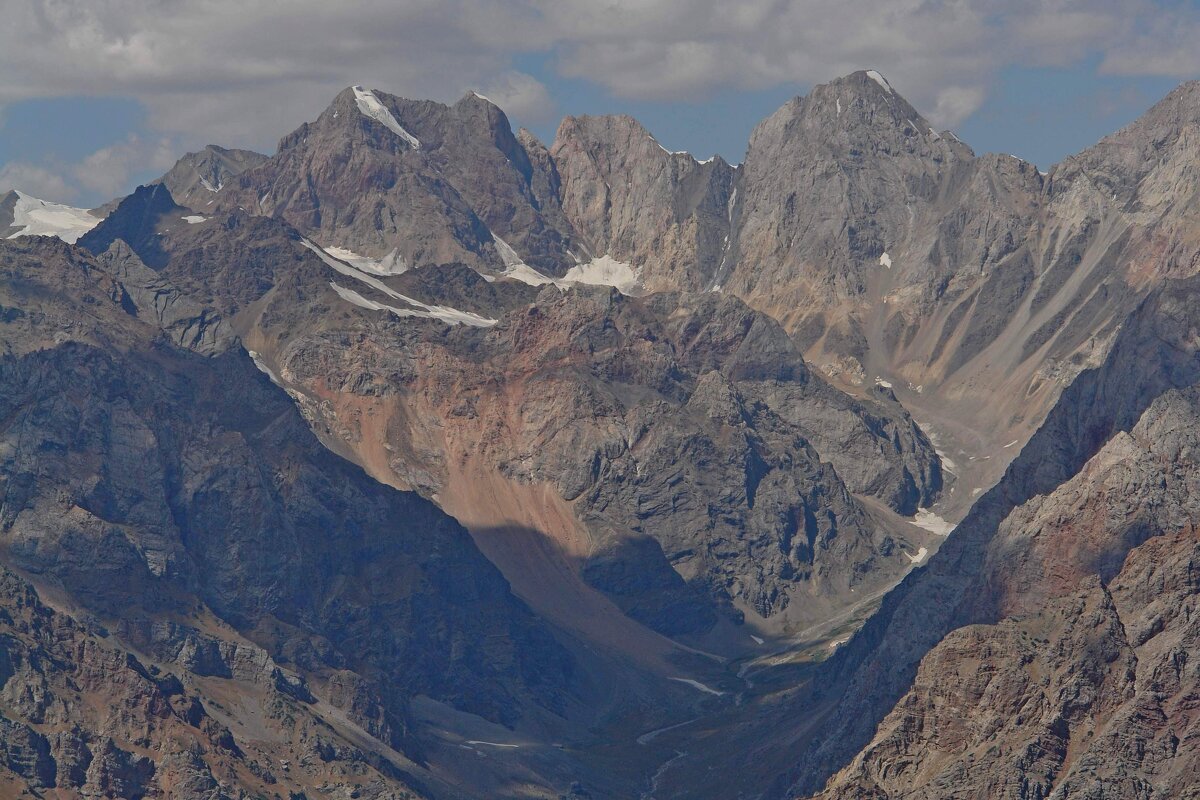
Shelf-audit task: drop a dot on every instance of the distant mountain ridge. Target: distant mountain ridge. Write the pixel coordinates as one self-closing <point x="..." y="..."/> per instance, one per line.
<point x="440" y="462"/>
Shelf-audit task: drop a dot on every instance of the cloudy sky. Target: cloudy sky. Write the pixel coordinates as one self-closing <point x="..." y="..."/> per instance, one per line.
<point x="96" y="95"/>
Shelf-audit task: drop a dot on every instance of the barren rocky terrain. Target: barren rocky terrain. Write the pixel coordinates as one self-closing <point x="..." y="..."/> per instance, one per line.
<point x="423" y="459"/>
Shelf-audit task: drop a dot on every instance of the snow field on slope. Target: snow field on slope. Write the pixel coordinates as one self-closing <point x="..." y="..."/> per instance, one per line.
<point x="43" y="218"/>
<point x="370" y="106"/>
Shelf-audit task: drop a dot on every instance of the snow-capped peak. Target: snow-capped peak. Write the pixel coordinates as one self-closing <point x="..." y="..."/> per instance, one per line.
<point x="370" y="106"/>
<point x="36" y="217"/>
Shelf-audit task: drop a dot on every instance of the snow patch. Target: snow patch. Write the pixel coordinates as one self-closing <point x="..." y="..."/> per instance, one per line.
<point x="42" y="218"/>
<point x="263" y="368"/>
<point x="391" y="264"/>
<point x="882" y="81"/>
<point x="527" y="274"/>
<point x="370" y="106"/>
<point x="883" y="383"/>
<point x="925" y="518"/>
<point x="604" y="271"/>
<point x="757" y="639"/>
<point x="507" y="255"/>
<point x="919" y="557"/>
<point x="885" y="260"/>
<point x="451" y="316"/>
<point x="194" y="219"/>
<point x="1010" y="444"/>
<point x="698" y="686"/>
<point x="491" y="744"/>
<point x="447" y="314"/>
<point x="839" y="106"/>
<point x="665" y="150"/>
<point x="208" y="184"/>
<point x="517" y="269"/>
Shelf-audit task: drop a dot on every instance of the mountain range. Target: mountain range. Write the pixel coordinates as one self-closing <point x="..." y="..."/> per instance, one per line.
<point x="421" y="459"/>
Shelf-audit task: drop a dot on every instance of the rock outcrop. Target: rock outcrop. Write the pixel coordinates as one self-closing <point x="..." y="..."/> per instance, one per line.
<point x="235" y="426"/>
<point x="677" y="431"/>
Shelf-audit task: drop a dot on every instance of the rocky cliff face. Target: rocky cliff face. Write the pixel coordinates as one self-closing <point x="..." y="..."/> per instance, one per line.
<point x="86" y="716"/>
<point x="975" y="285"/>
<point x="627" y="197"/>
<point x="632" y="411"/>
<point x="976" y="577"/>
<point x="646" y="469"/>
<point x="413" y="183"/>
<point x="181" y="502"/>
<point x="675" y="432"/>
<point x="1084" y="689"/>
<point x="197" y="177"/>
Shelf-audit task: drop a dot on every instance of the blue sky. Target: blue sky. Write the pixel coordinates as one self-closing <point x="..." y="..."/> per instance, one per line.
<point x="99" y="95"/>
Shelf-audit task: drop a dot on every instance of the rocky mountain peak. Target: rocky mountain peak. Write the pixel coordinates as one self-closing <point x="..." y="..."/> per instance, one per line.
<point x="605" y="134"/>
<point x="197" y="177"/>
<point x="1163" y="141"/>
<point x="859" y="112"/>
<point x="137" y="220"/>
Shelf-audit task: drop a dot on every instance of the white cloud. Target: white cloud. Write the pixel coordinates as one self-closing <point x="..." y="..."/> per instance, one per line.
<point x="1165" y="46"/>
<point x="954" y="104"/>
<point x="107" y="171"/>
<point x="244" y="72"/>
<point x="37" y="181"/>
<point x="103" y="174"/>
<point x="521" y="96"/>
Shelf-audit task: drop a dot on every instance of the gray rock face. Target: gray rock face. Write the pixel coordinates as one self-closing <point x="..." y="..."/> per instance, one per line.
<point x="139" y="221"/>
<point x="674" y="428"/>
<point x="671" y="454"/>
<point x="686" y="433"/>
<point x="148" y="295"/>
<point x="86" y="717"/>
<point x="977" y="286"/>
<point x="349" y="180"/>
<point x="975" y="576"/>
<point x="831" y="181"/>
<point x="8" y="204"/>
<point x="197" y="177"/>
<point x="184" y="485"/>
<point x="1081" y="691"/>
<point x="663" y="213"/>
